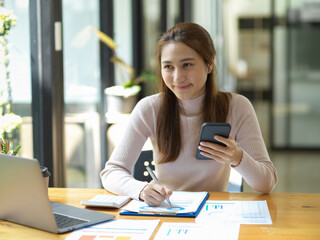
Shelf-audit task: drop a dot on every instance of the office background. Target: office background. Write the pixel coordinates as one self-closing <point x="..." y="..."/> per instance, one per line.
<point x="266" y="49"/>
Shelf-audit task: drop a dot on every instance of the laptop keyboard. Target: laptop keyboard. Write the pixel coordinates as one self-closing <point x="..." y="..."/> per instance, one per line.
<point x="65" y="221"/>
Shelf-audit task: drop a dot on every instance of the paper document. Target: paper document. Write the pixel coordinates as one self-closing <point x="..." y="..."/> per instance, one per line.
<point x="182" y="202"/>
<point x="191" y="231"/>
<point x="116" y="230"/>
<point x="242" y="212"/>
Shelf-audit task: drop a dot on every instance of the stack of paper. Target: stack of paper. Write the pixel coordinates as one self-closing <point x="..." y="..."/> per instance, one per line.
<point x="117" y="229"/>
<point x="216" y="220"/>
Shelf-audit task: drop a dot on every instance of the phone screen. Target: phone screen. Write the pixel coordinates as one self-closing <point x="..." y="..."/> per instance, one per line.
<point x="208" y="131"/>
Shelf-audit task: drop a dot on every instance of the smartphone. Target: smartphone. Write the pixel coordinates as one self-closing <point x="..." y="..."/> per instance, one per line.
<point x="208" y="131"/>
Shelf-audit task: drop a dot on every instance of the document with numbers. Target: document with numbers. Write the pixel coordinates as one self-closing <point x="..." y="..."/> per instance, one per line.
<point x="125" y="229"/>
<point x="242" y="212"/>
<point x="184" y="204"/>
<point x="199" y="231"/>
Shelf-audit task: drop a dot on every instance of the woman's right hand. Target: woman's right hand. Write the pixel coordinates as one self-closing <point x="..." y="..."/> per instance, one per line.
<point x="154" y="194"/>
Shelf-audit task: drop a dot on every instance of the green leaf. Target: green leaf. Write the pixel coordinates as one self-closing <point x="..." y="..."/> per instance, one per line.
<point x="16" y="150"/>
<point x="128" y="84"/>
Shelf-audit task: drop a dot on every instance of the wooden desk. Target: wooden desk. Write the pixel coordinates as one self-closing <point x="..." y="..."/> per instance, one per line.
<point x="294" y="215"/>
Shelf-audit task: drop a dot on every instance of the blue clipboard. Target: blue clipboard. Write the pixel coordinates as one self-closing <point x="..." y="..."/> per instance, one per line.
<point x="168" y="213"/>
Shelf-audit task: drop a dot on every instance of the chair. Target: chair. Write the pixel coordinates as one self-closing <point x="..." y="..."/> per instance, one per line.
<point x="146" y="159"/>
<point x="235" y="182"/>
<point x="139" y="171"/>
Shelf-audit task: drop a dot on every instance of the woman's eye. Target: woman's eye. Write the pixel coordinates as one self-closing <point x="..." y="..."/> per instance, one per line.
<point x="167" y="67"/>
<point x="187" y="64"/>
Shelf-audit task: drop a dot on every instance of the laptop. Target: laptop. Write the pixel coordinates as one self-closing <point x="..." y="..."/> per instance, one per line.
<point x="24" y="199"/>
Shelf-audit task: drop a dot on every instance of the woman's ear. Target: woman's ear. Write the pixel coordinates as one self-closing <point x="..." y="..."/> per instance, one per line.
<point x="210" y="66"/>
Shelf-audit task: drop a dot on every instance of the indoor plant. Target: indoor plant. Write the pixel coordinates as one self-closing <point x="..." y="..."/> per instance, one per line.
<point x="9" y="122"/>
<point x="122" y="97"/>
<point x="5" y="147"/>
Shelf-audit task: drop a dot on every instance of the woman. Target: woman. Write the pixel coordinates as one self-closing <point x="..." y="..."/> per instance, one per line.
<point x="172" y="120"/>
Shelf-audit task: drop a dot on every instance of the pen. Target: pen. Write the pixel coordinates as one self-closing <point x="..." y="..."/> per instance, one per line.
<point x="158" y="213"/>
<point x="156" y="180"/>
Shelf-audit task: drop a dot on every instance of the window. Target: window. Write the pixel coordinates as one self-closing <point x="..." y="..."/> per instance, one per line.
<point x="81" y="63"/>
<point x="20" y="73"/>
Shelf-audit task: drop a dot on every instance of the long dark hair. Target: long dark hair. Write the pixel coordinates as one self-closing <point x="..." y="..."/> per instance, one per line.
<point x="215" y="104"/>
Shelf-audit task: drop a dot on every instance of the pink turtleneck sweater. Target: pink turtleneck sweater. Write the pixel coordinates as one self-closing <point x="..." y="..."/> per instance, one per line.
<point x="187" y="173"/>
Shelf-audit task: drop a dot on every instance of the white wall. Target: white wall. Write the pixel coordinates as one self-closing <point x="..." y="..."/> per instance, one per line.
<point x="123" y="30"/>
<point x="233" y="9"/>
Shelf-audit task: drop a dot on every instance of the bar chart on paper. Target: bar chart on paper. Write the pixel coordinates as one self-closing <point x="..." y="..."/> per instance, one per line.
<point x="191" y="231"/>
<point x="120" y="229"/>
<point x="243" y="212"/>
<point x="178" y="231"/>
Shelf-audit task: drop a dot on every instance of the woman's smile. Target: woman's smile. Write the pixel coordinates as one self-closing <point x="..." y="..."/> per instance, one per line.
<point x="183" y="87"/>
<point x="183" y="70"/>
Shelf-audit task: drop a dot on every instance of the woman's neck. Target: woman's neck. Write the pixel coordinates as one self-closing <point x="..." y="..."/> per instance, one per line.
<point x="191" y="107"/>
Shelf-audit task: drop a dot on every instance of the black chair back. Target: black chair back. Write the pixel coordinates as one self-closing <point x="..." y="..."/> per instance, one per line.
<point x="140" y="172"/>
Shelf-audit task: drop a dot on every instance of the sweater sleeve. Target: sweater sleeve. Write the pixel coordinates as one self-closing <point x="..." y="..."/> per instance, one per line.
<point x="255" y="167"/>
<point x="117" y="176"/>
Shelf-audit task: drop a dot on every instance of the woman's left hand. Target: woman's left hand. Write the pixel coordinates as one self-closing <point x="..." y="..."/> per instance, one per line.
<point x="230" y="154"/>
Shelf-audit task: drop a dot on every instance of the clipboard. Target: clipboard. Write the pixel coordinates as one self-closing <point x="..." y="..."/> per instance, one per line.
<point x="167" y="213"/>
